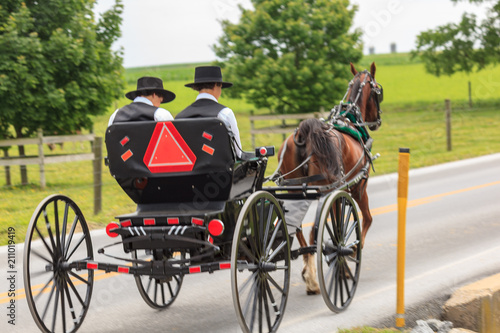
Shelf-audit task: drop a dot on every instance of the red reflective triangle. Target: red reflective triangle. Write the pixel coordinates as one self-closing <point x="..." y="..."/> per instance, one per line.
<point x="167" y="151"/>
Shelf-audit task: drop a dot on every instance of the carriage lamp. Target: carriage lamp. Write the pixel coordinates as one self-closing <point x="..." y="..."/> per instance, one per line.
<point x="112" y="225"/>
<point x="264" y="151"/>
<point x="215" y="227"/>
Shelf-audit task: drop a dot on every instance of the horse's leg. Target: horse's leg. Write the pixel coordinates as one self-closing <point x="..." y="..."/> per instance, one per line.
<point x="309" y="271"/>
<point x="367" y="216"/>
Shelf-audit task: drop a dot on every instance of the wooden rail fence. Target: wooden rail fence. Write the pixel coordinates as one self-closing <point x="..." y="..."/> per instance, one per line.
<point x="95" y="156"/>
<point x="279" y="124"/>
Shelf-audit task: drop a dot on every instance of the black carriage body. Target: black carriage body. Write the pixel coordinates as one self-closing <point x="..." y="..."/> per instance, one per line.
<point x="179" y="190"/>
<point x="202" y="170"/>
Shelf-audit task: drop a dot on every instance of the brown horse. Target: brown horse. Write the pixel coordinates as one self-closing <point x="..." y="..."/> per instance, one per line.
<point x="320" y="154"/>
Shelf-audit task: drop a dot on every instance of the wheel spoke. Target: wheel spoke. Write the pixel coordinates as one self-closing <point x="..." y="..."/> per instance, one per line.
<point x="49" y="231"/>
<point x="56" y="223"/>
<point x="273" y="237"/>
<point x="170" y="290"/>
<point x="70" y="236"/>
<point x="70" y="302"/>
<point x="56" y="306"/>
<point x="76" y="247"/>
<point x="162" y="289"/>
<point x="76" y="292"/>
<point x="255" y="304"/>
<point x="332" y="235"/>
<point x="64" y="226"/>
<point x="251" y="293"/>
<point x="351" y="229"/>
<point x="276" y="251"/>
<point x="41" y="256"/>
<point x="248" y="252"/>
<point x="63" y="305"/>
<point x="49" y="300"/>
<point x="271" y="297"/>
<point x="275" y="284"/>
<point x="44" y="242"/>
<point x="268" y="225"/>
<point x="79" y="277"/>
<point x="44" y="287"/>
<point x="334" y="224"/>
<point x="266" y="305"/>
<point x="247" y="282"/>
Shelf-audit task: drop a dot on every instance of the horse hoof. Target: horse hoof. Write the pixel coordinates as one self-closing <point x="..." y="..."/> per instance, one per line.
<point x="312" y="292"/>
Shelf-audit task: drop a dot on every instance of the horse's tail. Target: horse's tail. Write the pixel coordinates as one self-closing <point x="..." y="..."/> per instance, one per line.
<point x="321" y="143"/>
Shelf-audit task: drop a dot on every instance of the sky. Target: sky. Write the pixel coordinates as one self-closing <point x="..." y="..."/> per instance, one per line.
<point x="159" y="32"/>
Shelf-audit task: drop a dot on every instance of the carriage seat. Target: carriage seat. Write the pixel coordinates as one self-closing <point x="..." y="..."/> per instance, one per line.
<point x="180" y="161"/>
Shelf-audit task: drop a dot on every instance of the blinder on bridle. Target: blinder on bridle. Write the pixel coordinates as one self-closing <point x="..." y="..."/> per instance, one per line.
<point x="377" y="92"/>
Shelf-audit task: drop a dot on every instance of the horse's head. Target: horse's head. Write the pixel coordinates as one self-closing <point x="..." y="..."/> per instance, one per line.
<point x="367" y="94"/>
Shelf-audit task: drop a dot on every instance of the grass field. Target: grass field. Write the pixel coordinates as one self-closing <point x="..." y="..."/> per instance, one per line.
<point x="413" y="117"/>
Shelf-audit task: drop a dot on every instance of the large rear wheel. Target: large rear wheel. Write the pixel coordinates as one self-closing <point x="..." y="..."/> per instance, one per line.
<point x="58" y="296"/>
<point x="260" y="264"/>
<point x="339" y="250"/>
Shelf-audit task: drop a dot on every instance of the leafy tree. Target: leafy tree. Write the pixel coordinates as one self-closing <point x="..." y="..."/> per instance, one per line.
<point x="462" y="47"/>
<point x="290" y="55"/>
<point x="57" y="69"/>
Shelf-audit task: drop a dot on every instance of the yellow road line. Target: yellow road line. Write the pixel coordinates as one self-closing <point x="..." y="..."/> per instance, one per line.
<point x="20" y="293"/>
<point x="421" y="201"/>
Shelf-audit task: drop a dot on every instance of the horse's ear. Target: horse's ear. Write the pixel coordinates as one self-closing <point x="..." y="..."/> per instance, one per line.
<point x="353" y="70"/>
<point x="372" y="69"/>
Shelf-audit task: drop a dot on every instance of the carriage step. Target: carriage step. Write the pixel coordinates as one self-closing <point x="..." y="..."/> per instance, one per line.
<point x="303" y="250"/>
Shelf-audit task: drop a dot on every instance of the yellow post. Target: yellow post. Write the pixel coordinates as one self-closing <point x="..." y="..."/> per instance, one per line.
<point x="404" y="166"/>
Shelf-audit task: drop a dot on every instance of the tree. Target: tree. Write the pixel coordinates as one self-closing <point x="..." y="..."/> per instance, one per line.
<point x="290" y="55"/>
<point x="57" y="69"/>
<point x="462" y="47"/>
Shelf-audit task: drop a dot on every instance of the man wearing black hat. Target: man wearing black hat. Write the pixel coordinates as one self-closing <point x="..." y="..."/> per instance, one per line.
<point x="146" y="102"/>
<point x="208" y="82"/>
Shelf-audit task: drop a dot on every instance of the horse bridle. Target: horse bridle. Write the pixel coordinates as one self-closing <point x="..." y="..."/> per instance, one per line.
<point x="376" y="90"/>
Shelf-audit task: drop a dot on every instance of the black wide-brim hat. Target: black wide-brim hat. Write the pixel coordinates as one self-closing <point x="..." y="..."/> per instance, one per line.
<point x="208" y="74"/>
<point x="154" y="84"/>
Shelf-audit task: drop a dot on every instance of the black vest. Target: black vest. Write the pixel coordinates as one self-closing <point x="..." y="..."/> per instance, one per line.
<point x="135" y="112"/>
<point x="201" y="108"/>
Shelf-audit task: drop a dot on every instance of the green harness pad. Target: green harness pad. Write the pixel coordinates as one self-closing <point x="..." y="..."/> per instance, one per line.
<point x="358" y="132"/>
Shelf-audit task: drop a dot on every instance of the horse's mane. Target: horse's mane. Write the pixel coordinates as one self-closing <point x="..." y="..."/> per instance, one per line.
<point x="320" y="141"/>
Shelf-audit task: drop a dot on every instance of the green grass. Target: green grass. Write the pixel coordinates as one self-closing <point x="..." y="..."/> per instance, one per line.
<point x="413" y="117"/>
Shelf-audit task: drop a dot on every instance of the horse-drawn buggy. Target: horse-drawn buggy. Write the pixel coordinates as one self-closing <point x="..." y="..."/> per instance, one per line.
<point x="202" y="208"/>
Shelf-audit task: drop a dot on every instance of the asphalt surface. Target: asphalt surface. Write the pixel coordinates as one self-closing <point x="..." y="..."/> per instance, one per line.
<point x="452" y="237"/>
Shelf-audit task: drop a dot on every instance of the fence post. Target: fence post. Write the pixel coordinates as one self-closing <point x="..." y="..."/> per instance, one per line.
<point x="447" y="104"/>
<point x="41" y="156"/>
<point x="8" y="180"/>
<point x="97" y="148"/>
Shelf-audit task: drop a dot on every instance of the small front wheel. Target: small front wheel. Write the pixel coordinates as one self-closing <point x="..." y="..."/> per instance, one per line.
<point x="339" y="250"/>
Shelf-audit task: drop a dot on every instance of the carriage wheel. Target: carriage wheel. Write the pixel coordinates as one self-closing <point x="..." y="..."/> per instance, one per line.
<point x="158" y="293"/>
<point x="260" y="264"/>
<point x="339" y="251"/>
<point x="58" y="296"/>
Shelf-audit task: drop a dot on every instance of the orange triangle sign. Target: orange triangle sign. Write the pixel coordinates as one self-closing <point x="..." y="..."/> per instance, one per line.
<point x="167" y="151"/>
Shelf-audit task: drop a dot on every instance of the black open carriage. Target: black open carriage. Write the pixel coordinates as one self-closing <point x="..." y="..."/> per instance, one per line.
<point x="200" y="208"/>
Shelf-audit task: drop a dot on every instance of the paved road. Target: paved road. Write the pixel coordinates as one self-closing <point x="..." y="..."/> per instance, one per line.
<point x="453" y="236"/>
